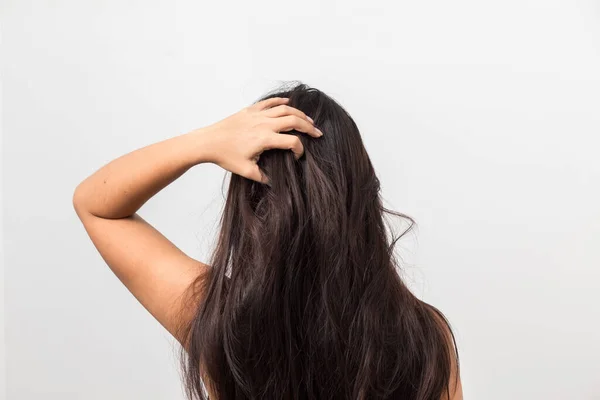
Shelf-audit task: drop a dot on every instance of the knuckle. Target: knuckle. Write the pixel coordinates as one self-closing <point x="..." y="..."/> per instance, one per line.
<point x="255" y="134"/>
<point x="261" y="127"/>
<point x="264" y="140"/>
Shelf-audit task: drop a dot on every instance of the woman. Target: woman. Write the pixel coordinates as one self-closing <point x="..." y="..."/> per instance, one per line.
<point x="302" y="298"/>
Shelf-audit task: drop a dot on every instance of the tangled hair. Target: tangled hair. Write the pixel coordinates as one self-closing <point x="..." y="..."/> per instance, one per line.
<point x="303" y="299"/>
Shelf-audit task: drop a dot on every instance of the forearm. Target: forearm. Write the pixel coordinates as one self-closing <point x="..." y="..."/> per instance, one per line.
<point x="121" y="187"/>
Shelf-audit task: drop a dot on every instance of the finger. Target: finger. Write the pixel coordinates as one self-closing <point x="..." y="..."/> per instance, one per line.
<point x="253" y="172"/>
<point x="283" y="110"/>
<point x="290" y="122"/>
<point x="286" y="142"/>
<point x="268" y="103"/>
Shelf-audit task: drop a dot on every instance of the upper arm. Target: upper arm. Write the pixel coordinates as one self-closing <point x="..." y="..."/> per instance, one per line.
<point x="152" y="268"/>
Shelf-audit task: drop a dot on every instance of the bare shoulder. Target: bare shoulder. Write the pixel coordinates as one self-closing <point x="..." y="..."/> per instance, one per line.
<point x="454" y="384"/>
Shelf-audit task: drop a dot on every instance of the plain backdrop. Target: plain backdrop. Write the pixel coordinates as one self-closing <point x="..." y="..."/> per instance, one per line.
<point x="481" y="118"/>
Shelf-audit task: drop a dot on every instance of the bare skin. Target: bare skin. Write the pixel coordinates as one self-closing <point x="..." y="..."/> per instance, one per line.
<point x="152" y="268"/>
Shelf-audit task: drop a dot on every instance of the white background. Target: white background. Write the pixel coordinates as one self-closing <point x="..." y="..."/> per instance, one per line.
<point x="482" y="120"/>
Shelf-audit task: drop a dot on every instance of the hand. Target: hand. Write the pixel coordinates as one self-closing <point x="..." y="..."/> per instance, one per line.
<point x="237" y="142"/>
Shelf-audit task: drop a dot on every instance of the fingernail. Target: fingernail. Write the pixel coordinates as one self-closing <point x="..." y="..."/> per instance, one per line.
<point x="310" y="119"/>
<point x="319" y="131"/>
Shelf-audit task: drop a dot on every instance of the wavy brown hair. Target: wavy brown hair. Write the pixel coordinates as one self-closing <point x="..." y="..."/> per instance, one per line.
<point x="304" y="299"/>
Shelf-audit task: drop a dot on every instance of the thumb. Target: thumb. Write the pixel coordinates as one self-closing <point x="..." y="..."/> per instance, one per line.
<point x="255" y="173"/>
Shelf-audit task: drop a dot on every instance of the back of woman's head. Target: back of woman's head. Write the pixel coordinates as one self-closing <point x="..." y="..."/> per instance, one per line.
<point x="304" y="300"/>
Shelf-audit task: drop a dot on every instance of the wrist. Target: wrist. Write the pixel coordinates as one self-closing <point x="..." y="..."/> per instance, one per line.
<point x="198" y="145"/>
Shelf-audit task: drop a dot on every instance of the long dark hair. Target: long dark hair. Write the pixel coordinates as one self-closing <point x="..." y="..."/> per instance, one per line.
<point x="304" y="299"/>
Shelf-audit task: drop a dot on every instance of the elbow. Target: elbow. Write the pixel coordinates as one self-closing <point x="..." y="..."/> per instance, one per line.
<point x="78" y="200"/>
